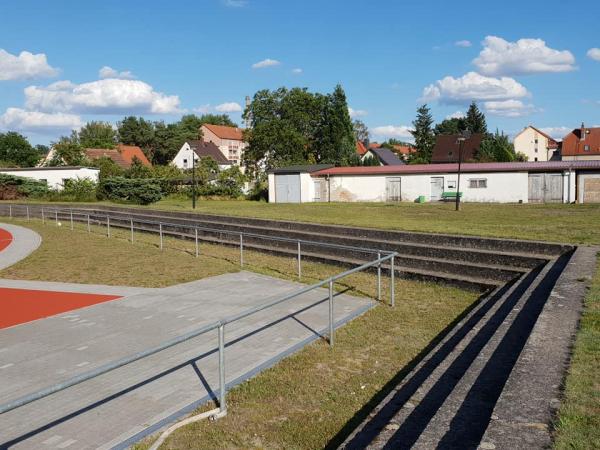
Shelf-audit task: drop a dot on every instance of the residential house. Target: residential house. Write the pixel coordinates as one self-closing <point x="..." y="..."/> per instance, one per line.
<point x="361" y="148"/>
<point x="403" y="151"/>
<point x="447" y="148"/>
<point x="581" y="144"/>
<point x="55" y="177"/>
<point x="384" y="156"/>
<point x="537" y="145"/>
<point x="229" y="140"/>
<point x="201" y="149"/>
<point x="122" y="155"/>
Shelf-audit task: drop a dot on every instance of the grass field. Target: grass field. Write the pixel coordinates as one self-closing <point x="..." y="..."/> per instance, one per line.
<point x="306" y="399"/>
<point x="578" y="424"/>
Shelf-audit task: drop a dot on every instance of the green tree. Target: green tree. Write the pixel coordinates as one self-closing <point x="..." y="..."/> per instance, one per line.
<point x="424" y="137"/>
<point x="335" y="134"/>
<point x="475" y="120"/>
<point x="137" y="131"/>
<point x="15" y="150"/>
<point x="138" y="170"/>
<point x="68" y="151"/>
<point x="454" y="125"/>
<point x="108" y="168"/>
<point x="496" y="148"/>
<point x="361" y="132"/>
<point x="98" y="135"/>
<point x="217" y="119"/>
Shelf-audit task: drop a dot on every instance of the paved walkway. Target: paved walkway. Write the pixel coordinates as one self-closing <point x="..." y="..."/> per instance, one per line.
<point x="121" y="407"/>
<point x="24" y="242"/>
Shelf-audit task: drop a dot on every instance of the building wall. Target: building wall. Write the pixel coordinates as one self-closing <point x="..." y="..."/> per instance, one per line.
<point x="504" y="187"/>
<point x="525" y="142"/>
<point x="581" y="158"/>
<point x="225" y="145"/>
<point x="185" y="153"/>
<point x="307" y="189"/>
<point x="55" y="177"/>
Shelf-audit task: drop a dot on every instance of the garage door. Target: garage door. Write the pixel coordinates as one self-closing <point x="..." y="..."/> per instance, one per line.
<point x="287" y="188"/>
<point x="545" y="188"/>
<point x="591" y="190"/>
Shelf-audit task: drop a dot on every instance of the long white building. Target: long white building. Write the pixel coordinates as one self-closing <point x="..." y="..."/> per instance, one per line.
<point x="534" y="182"/>
<point x="55" y="177"/>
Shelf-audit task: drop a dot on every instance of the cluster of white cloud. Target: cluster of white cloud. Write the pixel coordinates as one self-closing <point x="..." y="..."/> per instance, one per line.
<point x="594" y="53"/>
<point x="493" y="84"/>
<point x="235" y="3"/>
<point x="25" y="66"/>
<point x="393" y="131"/>
<point x="456" y="115"/>
<point x="357" y="112"/>
<point x="266" y="63"/>
<point x="525" y="56"/>
<point x="109" y="72"/>
<point x="297" y="70"/>
<point x="556" y="132"/>
<point x="228" y="107"/>
<point x="463" y="43"/>
<point x="36" y="121"/>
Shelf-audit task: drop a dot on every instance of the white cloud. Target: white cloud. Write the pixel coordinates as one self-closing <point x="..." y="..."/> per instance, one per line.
<point x="557" y="132"/>
<point x="20" y="120"/>
<point x="25" y="66"/>
<point x="109" y="96"/>
<point x="526" y="56"/>
<point x="594" y="53"/>
<point x="109" y="72"/>
<point x="265" y="63"/>
<point x="509" y="108"/>
<point x="463" y="43"/>
<point x="473" y="86"/>
<point x="229" y="107"/>
<point x="357" y="112"/>
<point x="297" y="70"/>
<point x="392" y="131"/>
<point x="203" y="109"/>
<point x="235" y="3"/>
<point x="456" y="115"/>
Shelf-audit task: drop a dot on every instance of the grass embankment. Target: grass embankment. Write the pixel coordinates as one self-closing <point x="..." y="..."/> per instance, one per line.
<point x="578" y="423"/>
<point x="577" y="224"/>
<point x="306" y="399"/>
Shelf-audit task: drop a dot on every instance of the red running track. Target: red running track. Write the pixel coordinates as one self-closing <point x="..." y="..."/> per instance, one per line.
<point x="24" y="305"/>
<point x="5" y="239"/>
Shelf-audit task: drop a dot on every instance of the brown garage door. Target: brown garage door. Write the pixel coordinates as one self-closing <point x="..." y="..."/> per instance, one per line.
<point x="591" y="190"/>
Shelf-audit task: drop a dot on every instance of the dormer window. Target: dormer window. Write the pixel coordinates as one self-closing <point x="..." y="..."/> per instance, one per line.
<point x="586" y="148"/>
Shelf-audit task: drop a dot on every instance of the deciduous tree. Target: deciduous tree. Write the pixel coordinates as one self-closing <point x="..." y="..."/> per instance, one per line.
<point x="15" y="150"/>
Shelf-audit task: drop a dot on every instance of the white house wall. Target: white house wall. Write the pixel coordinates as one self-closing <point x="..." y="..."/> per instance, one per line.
<point x="502" y="187"/>
<point x="55" y="177"/>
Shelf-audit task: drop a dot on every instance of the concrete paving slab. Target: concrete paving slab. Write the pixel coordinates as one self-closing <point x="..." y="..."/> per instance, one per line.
<point x="115" y="409"/>
<point x="73" y="287"/>
<point x="25" y="242"/>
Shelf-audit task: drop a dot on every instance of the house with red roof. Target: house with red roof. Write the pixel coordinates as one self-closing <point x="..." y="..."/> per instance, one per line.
<point x="229" y="140"/>
<point x="581" y="144"/>
<point x="123" y="155"/>
<point x="536" y="145"/>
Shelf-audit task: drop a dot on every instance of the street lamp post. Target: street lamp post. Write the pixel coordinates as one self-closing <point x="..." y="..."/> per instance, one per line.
<point x="193" y="178"/>
<point x="461" y="143"/>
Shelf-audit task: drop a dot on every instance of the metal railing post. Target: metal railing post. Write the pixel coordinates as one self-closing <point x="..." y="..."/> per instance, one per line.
<point x="241" y="250"/>
<point x="131" y="221"/>
<point x="161" y="236"/>
<point x="56" y="216"/>
<point x="222" y="386"/>
<point x="196" y="241"/>
<point x="10" y="211"/>
<point x="379" y="277"/>
<point x="107" y="226"/>
<point x="71" y="220"/>
<point x="299" y="262"/>
<point x="392" y="282"/>
<point x="43" y="217"/>
<point x="88" y="224"/>
<point x="331" y="331"/>
<point x="27" y="208"/>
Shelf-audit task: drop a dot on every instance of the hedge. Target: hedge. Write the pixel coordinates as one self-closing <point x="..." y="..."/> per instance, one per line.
<point x="141" y="191"/>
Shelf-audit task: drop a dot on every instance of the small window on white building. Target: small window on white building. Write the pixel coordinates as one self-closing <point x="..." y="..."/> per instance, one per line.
<point x="478" y="183"/>
<point x="185" y="163"/>
<point x="451" y="184"/>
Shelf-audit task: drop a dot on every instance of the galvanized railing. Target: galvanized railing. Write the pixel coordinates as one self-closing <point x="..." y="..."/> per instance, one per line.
<point x="218" y="325"/>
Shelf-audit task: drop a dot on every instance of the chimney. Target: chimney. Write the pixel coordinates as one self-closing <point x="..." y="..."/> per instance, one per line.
<point x="582" y="134"/>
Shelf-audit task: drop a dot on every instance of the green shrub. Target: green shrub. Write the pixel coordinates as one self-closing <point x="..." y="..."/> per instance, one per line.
<point x="132" y="190"/>
<point x="78" y="190"/>
<point x="13" y="187"/>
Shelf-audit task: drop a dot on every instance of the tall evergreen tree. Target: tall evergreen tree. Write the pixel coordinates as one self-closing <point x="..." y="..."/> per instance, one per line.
<point x="475" y="120"/>
<point x="336" y="140"/>
<point x="424" y="137"/>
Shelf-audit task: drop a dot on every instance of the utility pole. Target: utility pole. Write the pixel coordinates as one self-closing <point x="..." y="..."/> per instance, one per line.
<point x="193" y="178"/>
<point x="461" y="143"/>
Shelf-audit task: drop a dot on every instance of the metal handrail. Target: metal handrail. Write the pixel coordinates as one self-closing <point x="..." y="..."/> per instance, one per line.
<point x="219" y="324"/>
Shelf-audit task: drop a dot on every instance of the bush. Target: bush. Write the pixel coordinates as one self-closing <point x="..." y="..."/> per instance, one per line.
<point x="131" y="190"/>
<point x="78" y="190"/>
<point x="259" y="191"/>
<point x="13" y="188"/>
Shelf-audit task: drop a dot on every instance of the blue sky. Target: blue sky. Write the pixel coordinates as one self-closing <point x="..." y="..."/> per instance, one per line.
<point x="534" y="62"/>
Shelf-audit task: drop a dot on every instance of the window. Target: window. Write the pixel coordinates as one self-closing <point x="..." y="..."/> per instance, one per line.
<point x="449" y="154"/>
<point x="586" y="148"/>
<point x="535" y="159"/>
<point x="478" y="183"/>
<point x="536" y="141"/>
<point x="451" y="184"/>
<point x="185" y="163"/>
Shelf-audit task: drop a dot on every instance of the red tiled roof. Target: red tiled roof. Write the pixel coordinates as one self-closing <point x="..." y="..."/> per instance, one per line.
<point x="225" y="132"/>
<point x="447" y="148"/>
<point x="360" y="148"/>
<point x="573" y="145"/>
<point x="128" y="152"/>
<point x="122" y="155"/>
<point x="404" y="149"/>
<point x="374" y="145"/>
<point x="465" y="167"/>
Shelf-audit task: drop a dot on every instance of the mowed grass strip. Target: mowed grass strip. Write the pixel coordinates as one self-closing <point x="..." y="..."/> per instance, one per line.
<point x="578" y="423"/>
<point x="307" y="398"/>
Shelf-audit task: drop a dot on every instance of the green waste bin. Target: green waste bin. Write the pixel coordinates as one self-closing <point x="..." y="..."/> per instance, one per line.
<point x="421" y="199"/>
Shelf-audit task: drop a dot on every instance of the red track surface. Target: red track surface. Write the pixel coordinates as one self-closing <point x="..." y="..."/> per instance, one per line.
<point x="24" y="305"/>
<point x="5" y="239"/>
